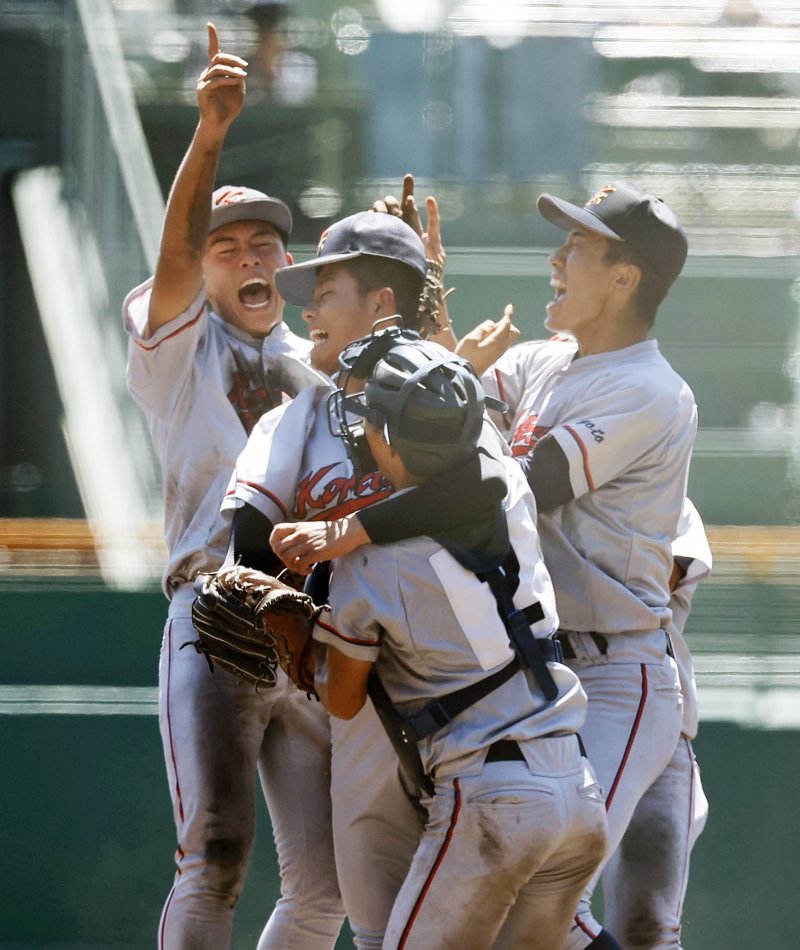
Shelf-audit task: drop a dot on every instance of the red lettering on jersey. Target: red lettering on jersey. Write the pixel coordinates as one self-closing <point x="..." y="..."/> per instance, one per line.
<point x="250" y="398"/>
<point x="527" y="434"/>
<point x="314" y="494"/>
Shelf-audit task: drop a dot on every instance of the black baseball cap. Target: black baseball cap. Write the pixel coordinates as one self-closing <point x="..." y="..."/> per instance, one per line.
<point x="237" y="203"/>
<point x="366" y="234"/>
<point x="623" y="212"/>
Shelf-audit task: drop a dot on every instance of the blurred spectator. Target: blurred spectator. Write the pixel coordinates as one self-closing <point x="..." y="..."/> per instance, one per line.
<point x="740" y="13"/>
<point x="269" y="17"/>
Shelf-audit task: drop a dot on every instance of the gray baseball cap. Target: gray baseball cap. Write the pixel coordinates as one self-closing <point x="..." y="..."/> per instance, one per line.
<point x="366" y="234"/>
<point x="237" y="203"/>
<point x="623" y="212"/>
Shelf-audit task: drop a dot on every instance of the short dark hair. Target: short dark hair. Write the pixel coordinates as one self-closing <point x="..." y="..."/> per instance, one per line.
<point x="651" y="290"/>
<point x="372" y="272"/>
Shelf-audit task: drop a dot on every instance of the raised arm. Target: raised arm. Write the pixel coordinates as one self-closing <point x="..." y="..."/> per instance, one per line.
<point x="440" y="329"/>
<point x="179" y="270"/>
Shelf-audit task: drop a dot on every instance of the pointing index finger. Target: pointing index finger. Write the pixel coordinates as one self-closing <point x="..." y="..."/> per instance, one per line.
<point x="213" y="41"/>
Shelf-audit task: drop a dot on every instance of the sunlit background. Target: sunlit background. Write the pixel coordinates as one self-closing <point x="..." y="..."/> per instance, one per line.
<point x="488" y="104"/>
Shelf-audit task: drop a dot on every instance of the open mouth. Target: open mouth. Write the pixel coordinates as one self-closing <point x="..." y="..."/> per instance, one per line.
<point x="317" y="336"/>
<point x="559" y="290"/>
<point x="255" y="294"/>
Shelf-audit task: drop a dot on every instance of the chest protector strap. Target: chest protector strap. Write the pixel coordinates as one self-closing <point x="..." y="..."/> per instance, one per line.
<point x="529" y="652"/>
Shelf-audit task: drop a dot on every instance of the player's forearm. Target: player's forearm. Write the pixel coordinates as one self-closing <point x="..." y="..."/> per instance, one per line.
<point x="341" y="683"/>
<point x="467" y="494"/>
<point x="179" y="270"/>
<point x="441" y="331"/>
<point x="188" y="210"/>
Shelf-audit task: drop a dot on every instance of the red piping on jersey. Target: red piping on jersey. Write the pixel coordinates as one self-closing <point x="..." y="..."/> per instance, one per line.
<point x="501" y="392"/>
<point x="585" y="454"/>
<point x="169" y="336"/>
<point x="341" y="636"/>
<point x="275" y="501"/>
<point x="585" y="929"/>
<point x="631" y="738"/>
<point x="436" y="864"/>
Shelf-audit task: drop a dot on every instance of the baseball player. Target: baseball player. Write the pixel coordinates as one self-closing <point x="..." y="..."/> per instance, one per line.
<point x="515" y="816"/>
<point x="604" y="429"/>
<point x="645" y="880"/>
<point x="369" y="267"/>
<point x="202" y="332"/>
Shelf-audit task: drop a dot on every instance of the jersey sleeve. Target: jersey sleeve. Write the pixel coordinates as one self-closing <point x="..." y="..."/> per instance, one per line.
<point x="616" y="429"/>
<point x="159" y="366"/>
<point x="691" y="543"/>
<point x="268" y="468"/>
<point x="353" y="625"/>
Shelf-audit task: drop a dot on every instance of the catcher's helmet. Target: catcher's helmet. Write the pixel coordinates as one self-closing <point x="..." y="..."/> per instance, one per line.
<point x="429" y="402"/>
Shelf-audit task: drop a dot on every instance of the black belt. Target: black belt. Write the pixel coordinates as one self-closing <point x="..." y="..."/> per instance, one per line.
<point x="569" y="652"/>
<point x="508" y="750"/>
<point x="504" y="750"/>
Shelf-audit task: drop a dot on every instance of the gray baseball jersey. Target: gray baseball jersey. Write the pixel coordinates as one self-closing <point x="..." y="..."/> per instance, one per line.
<point x="626" y="423"/>
<point x="294" y="469"/>
<point x="432" y="627"/>
<point x="201" y="385"/>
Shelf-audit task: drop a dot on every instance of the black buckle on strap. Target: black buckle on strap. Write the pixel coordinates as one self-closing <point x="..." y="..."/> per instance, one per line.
<point x="438" y="713"/>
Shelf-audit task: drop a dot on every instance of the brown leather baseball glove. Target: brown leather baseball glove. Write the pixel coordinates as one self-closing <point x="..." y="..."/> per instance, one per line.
<point x="250" y="623"/>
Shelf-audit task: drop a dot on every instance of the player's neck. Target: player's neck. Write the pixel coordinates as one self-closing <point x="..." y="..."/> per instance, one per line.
<point x="611" y="335"/>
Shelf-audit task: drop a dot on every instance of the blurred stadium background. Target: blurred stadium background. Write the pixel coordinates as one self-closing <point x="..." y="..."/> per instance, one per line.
<point x="488" y="104"/>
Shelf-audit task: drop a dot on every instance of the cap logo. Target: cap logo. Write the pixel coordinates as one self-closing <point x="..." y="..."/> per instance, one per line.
<point x="601" y="195"/>
<point x="322" y="238"/>
<point x="229" y="197"/>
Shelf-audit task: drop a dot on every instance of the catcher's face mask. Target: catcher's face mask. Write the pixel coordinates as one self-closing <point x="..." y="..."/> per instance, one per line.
<point x="346" y="413"/>
<point x="346" y="417"/>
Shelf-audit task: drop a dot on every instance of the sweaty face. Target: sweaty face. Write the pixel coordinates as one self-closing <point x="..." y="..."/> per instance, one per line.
<point x="582" y="281"/>
<point x="239" y="264"/>
<point x="338" y="314"/>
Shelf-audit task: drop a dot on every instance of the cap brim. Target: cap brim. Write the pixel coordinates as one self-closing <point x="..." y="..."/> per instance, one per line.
<point x="566" y="216"/>
<point x="296" y="283"/>
<point x="264" y="209"/>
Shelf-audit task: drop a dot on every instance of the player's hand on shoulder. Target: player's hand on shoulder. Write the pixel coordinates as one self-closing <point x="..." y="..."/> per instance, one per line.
<point x="222" y="85"/>
<point x="487" y="342"/>
<point x="301" y="545"/>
